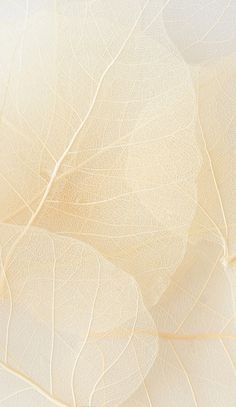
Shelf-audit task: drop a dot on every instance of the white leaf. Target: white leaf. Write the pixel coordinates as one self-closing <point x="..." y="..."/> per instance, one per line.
<point x="117" y="210"/>
<point x="63" y="306"/>
<point x="97" y="126"/>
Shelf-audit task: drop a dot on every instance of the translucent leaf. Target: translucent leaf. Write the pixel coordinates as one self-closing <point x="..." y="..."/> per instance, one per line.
<point x="63" y="306"/>
<point x="117" y="210"/>
<point x="196" y="327"/>
<point x="202" y="30"/>
<point x="98" y="128"/>
<point x="196" y="314"/>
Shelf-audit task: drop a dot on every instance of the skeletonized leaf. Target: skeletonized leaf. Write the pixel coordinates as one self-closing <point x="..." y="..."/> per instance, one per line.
<point x="196" y="326"/>
<point x="99" y="133"/>
<point x="72" y="322"/>
<point x="196" y="365"/>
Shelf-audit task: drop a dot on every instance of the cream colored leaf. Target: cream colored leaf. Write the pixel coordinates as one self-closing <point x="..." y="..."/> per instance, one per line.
<point x="196" y="315"/>
<point x="99" y="130"/>
<point x="117" y="182"/>
<point x="196" y="365"/>
<point x="63" y="306"/>
<point x="202" y="30"/>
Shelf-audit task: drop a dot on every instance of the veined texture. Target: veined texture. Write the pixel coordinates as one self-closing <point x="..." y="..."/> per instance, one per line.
<point x="117" y="184"/>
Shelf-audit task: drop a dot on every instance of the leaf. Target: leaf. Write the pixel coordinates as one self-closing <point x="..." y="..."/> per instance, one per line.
<point x="63" y="306"/>
<point x="202" y="30"/>
<point x="95" y="119"/>
<point x="196" y="327"/>
<point x="196" y="314"/>
<point x="117" y="181"/>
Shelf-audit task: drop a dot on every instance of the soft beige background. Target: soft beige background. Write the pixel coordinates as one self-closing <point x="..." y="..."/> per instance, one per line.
<point x="117" y="209"/>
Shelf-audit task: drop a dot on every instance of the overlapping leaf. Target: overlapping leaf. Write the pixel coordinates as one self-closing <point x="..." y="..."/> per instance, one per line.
<point x="117" y="169"/>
